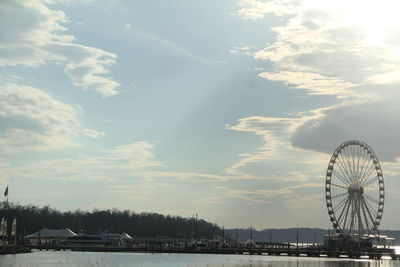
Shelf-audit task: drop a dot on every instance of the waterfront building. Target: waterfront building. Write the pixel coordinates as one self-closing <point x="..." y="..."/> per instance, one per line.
<point x="49" y="236"/>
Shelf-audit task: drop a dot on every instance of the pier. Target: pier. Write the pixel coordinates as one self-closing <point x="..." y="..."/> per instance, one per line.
<point x="276" y="250"/>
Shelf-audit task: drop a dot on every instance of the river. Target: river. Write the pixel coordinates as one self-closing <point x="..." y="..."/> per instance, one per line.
<point x="97" y="259"/>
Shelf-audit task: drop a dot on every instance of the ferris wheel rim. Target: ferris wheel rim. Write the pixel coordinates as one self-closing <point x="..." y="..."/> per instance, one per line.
<point x="352" y="189"/>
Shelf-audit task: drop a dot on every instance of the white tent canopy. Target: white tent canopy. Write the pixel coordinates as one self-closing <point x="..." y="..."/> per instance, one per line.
<point x="126" y="236"/>
<point x="50" y="233"/>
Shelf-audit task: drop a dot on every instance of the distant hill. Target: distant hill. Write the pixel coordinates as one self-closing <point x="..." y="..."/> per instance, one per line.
<point x="306" y="235"/>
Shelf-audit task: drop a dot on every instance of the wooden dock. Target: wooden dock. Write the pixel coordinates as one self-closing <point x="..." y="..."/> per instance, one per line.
<point x="12" y="249"/>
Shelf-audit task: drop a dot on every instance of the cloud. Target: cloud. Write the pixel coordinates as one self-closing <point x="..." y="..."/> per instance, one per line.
<point x="129" y="167"/>
<point x="120" y="162"/>
<point x="31" y="119"/>
<point x="277" y="159"/>
<point x="190" y="176"/>
<point x="253" y="9"/>
<point x="137" y="155"/>
<point x="372" y="122"/>
<point x="327" y="48"/>
<point x="261" y="196"/>
<point x="174" y="47"/>
<point x="132" y="163"/>
<point x="93" y="133"/>
<point x="315" y="83"/>
<point x="273" y="131"/>
<point x="331" y="48"/>
<point x="143" y="190"/>
<point x="298" y="149"/>
<point x="34" y="35"/>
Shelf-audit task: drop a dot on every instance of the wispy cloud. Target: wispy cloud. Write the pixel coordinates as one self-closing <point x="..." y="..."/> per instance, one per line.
<point x="121" y="162"/>
<point x="176" y="48"/>
<point x="93" y="133"/>
<point x="276" y="134"/>
<point x="143" y="190"/>
<point x="255" y="9"/>
<point x="34" y="35"/>
<point x="289" y="194"/>
<point x="315" y="83"/>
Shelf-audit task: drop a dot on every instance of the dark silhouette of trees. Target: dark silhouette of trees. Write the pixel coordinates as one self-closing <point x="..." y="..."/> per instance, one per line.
<point x="144" y="225"/>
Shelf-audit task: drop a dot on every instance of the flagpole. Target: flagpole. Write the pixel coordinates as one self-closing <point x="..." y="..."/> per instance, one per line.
<point x="7" y="216"/>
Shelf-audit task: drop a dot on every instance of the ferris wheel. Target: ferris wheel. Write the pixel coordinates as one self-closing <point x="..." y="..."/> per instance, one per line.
<point x="354" y="189"/>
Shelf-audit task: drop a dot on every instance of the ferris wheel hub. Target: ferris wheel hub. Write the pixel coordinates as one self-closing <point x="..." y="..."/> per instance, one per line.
<point x="355" y="190"/>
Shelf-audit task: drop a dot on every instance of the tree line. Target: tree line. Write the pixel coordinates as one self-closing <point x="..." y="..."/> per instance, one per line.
<point x="31" y="218"/>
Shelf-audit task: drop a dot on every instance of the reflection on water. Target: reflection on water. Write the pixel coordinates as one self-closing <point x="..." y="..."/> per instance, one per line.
<point x="92" y="259"/>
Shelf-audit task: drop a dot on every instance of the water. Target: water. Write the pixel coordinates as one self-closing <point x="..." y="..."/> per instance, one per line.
<point x="95" y="259"/>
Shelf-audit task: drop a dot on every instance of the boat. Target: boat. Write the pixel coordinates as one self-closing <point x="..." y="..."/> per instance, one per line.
<point x="87" y="239"/>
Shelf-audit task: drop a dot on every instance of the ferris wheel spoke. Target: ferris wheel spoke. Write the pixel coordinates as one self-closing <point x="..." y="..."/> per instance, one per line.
<point x="343" y="167"/>
<point x="340" y="195"/>
<point x="358" y="223"/>
<point x="355" y="216"/>
<point x="340" y="186"/>
<point x="369" y="173"/>
<point x="360" y="218"/>
<point x="348" y="164"/>
<point x="368" y="211"/>
<point x="368" y="197"/>
<point x="342" y="176"/>
<point x="370" y="208"/>
<point x="352" y="216"/>
<point x="361" y="160"/>
<point x="343" y="170"/>
<point x="371" y="181"/>
<point x="341" y="204"/>
<point x="345" y="206"/>
<point x="344" y="211"/>
<point x="353" y="155"/>
<point x="358" y="160"/>
<point x="347" y="213"/>
<point x="365" y="214"/>
<point x="373" y="190"/>
<point x="348" y="160"/>
<point x="364" y="164"/>
<point x="351" y="161"/>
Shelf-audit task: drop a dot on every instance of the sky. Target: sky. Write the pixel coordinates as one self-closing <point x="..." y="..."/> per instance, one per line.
<point x="228" y="109"/>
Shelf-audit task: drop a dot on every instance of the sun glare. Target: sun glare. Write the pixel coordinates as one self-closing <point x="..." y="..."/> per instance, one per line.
<point x="376" y="19"/>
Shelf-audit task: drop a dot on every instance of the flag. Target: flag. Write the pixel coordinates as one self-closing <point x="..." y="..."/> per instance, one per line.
<point x="6" y="192"/>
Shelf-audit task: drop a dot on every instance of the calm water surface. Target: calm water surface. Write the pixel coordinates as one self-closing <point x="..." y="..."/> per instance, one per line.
<point x="69" y="258"/>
